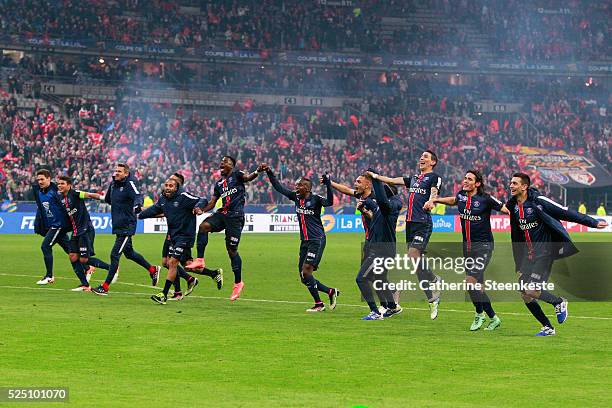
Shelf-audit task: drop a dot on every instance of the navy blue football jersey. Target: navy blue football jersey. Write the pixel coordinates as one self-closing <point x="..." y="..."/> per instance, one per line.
<point x="419" y="191"/>
<point x="308" y="209"/>
<point x="76" y="212"/>
<point x="475" y="216"/>
<point x="231" y="191"/>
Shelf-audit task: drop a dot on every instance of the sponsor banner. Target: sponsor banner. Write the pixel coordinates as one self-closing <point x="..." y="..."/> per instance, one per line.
<point x="561" y="167"/>
<point x="274" y="223"/>
<point x="321" y="58"/>
<point x="23" y="223"/>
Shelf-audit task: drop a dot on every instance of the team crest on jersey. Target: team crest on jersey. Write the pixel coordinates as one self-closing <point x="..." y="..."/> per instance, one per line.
<point x="529" y="211"/>
<point x="476" y="203"/>
<point x="307" y="204"/>
<point x="120" y="188"/>
<point x="425" y="178"/>
<point x="175" y="203"/>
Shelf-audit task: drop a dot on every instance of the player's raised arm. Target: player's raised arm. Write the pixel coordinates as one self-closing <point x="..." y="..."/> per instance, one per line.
<point x="329" y="200"/>
<point x="396" y="181"/>
<point x="248" y="177"/>
<point x="277" y="185"/>
<point x="381" y="196"/>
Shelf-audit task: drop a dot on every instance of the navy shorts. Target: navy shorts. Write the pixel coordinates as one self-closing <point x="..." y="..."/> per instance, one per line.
<point x="536" y="270"/>
<point x="83" y="244"/>
<point x="180" y="249"/>
<point x="480" y="253"/>
<point x="418" y="234"/>
<point x="311" y="252"/>
<point x="232" y="226"/>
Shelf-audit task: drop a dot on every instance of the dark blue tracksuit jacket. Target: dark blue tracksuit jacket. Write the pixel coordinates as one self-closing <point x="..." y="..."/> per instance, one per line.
<point x="124" y="198"/>
<point x="178" y="211"/>
<point x="49" y="209"/>
<point x="536" y="224"/>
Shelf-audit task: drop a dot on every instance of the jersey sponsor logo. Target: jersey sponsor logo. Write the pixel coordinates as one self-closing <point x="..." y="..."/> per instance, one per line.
<point x="228" y="192"/>
<point x="417" y="190"/>
<point x="470" y="217"/>
<point x="527" y="225"/>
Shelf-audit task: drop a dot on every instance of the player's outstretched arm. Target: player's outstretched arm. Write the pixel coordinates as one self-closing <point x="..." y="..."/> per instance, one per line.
<point x="452" y="201"/>
<point x="210" y="205"/>
<point x="346" y="190"/>
<point x="563" y="213"/>
<point x="86" y="195"/>
<point x="396" y="181"/>
<point x="153" y="211"/>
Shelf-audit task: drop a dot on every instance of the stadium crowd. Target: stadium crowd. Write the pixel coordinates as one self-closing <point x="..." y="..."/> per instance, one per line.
<point x="517" y="29"/>
<point x="386" y="133"/>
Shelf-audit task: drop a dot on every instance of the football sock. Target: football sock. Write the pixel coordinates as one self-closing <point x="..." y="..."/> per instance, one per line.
<point x="237" y="267"/>
<point x="167" y="287"/>
<point x="546" y="296"/>
<point x="98" y="263"/>
<point x="311" y="284"/>
<point x="202" y="242"/>
<point x="536" y="310"/>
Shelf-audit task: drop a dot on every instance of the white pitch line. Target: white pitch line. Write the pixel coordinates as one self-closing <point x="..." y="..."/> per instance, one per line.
<point x="291" y="302"/>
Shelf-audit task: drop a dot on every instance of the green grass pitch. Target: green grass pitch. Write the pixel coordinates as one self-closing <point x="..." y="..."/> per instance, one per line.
<point x="263" y="350"/>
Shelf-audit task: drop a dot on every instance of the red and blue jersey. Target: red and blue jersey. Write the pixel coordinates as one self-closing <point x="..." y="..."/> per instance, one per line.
<point x="308" y="209"/>
<point x="475" y="216"/>
<point x="231" y="191"/>
<point x="77" y="216"/>
<point x="419" y="190"/>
